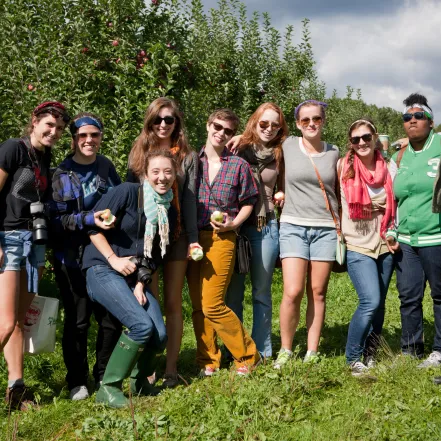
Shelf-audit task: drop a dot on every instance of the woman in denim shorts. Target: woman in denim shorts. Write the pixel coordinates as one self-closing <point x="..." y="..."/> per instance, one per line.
<point x="307" y="230"/>
<point x="24" y="173"/>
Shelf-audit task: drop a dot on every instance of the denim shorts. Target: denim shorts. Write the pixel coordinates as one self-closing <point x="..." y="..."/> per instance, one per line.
<point x="17" y="247"/>
<point x="309" y="243"/>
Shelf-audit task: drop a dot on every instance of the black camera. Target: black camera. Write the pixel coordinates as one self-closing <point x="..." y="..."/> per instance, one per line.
<point x="145" y="269"/>
<point x="40" y="234"/>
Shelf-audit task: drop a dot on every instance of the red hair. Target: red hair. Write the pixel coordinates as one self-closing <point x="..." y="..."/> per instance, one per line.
<point x="250" y="135"/>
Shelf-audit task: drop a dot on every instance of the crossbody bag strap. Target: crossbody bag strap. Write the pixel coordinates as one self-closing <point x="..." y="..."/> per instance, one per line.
<point x="325" y="196"/>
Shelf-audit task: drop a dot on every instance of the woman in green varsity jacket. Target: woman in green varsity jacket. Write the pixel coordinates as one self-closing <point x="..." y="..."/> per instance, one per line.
<point x="417" y="238"/>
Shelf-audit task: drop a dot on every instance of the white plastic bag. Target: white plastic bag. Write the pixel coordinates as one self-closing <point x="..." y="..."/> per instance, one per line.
<point x="40" y="325"/>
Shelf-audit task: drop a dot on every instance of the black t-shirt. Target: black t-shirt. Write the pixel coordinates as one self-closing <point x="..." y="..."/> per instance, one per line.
<point x="28" y="171"/>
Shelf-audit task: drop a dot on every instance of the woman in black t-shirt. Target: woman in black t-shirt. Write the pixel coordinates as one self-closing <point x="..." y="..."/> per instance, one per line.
<point x="24" y="173"/>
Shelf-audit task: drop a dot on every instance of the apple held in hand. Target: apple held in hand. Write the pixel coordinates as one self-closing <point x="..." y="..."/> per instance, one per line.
<point x="107" y="217"/>
<point x="217" y="216"/>
<point x="279" y="196"/>
<point x="196" y="253"/>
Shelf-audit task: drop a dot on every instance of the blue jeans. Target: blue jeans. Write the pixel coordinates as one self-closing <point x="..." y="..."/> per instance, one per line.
<point x="265" y="249"/>
<point x="415" y="266"/>
<point x="371" y="278"/>
<point x="145" y="323"/>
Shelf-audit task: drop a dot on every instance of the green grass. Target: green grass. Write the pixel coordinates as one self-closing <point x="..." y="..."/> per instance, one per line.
<point x="303" y="402"/>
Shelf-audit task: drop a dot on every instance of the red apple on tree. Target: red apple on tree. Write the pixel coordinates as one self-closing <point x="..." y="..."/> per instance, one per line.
<point x="30" y="87"/>
<point x="115" y="43"/>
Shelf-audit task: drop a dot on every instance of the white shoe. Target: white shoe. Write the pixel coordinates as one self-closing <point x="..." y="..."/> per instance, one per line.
<point x="358" y="368"/>
<point x="79" y="393"/>
<point x="433" y="360"/>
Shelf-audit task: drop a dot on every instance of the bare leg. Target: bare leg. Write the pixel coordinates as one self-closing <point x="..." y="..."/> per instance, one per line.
<point x="9" y="282"/>
<point x="316" y="287"/>
<point x="14" y="347"/>
<point x="174" y="276"/>
<point x="294" y="274"/>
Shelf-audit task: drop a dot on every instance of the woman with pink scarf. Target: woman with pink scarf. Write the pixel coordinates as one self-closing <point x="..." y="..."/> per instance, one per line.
<point x="368" y="208"/>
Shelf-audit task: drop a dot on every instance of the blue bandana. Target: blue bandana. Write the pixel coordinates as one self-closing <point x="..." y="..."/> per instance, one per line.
<point x="84" y="121"/>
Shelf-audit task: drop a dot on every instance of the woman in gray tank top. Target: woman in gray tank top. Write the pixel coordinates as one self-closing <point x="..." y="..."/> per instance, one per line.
<point x="307" y="229"/>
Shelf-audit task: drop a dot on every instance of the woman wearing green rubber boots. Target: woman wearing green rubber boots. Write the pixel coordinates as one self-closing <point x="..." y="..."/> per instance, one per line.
<point x="119" y="264"/>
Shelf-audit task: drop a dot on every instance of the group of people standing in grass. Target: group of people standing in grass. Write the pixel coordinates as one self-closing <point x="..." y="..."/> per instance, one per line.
<point x="293" y="197"/>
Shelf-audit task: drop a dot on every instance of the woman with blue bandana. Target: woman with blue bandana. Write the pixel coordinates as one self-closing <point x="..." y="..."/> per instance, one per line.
<point x="78" y="184"/>
<point x="119" y="265"/>
<point x="24" y="177"/>
<point x="416" y="239"/>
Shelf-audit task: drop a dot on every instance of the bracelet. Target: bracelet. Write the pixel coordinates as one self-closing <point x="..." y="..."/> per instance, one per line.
<point x="110" y="256"/>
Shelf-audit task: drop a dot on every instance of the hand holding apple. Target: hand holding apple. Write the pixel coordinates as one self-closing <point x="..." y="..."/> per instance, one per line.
<point x="279" y="199"/>
<point x="195" y="251"/>
<point x="217" y="216"/>
<point x="104" y="219"/>
<point x="226" y="225"/>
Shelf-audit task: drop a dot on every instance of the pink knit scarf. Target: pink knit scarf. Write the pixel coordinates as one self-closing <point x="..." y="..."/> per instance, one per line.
<point x="357" y="194"/>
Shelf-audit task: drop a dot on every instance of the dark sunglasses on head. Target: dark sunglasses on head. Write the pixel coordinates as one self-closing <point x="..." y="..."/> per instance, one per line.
<point x="94" y="135"/>
<point x="56" y="113"/>
<point x="266" y="124"/>
<point x="220" y="127"/>
<point x="418" y="115"/>
<point x="315" y="119"/>
<point x="367" y="137"/>
<point x="169" y="120"/>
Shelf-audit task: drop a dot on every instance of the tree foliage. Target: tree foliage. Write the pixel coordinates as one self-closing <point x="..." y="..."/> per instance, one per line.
<point x="114" y="58"/>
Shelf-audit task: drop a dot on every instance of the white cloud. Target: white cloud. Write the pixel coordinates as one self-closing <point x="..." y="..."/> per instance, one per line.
<point x="388" y="57"/>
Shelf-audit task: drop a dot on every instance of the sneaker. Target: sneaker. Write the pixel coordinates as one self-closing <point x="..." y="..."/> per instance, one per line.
<point x="79" y="393"/>
<point x="311" y="357"/>
<point x="433" y="360"/>
<point x="246" y="369"/>
<point x="18" y="397"/>
<point x="208" y="371"/>
<point x="170" y="381"/>
<point x="283" y="358"/>
<point x="358" y="368"/>
<point x="370" y="362"/>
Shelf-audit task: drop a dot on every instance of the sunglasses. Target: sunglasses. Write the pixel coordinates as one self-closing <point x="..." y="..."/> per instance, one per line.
<point x="266" y="124"/>
<point x="83" y="136"/>
<point x="367" y="137"/>
<point x="304" y="122"/>
<point x="220" y="127"/>
<point x="417" y="115"/>
<point x="169" y="120"/>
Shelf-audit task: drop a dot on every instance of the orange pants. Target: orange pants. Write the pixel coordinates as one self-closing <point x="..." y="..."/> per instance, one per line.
<point x="208" y="281"/>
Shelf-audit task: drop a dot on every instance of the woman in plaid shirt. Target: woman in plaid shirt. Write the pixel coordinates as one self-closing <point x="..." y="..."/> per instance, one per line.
<point x="225" y="183"/>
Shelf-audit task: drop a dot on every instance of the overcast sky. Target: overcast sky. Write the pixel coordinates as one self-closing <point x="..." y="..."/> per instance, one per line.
<point x="386" y="48"/>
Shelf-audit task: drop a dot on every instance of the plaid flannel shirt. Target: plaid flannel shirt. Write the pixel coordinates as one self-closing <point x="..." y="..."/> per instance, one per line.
<point x="232" y="188"/>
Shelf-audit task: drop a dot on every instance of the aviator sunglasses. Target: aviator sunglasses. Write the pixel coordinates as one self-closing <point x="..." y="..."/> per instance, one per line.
<point x="315" y="119"/>
<point x="169" y="120"/>
<point x="265" y="124"/>
<point x="367" y="137"/>
<point x="417" y="115"/>
<point x="220" y="127"/>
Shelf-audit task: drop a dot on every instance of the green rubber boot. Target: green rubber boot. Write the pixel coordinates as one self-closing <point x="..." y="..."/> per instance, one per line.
<point x="121" y="362"/>
<point x="139" y="384"/>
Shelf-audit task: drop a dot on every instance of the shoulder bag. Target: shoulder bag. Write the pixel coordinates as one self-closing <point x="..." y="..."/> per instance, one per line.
<point x="340" y="251"/>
